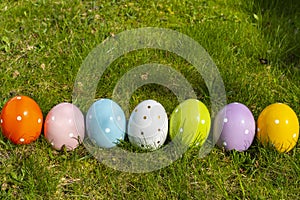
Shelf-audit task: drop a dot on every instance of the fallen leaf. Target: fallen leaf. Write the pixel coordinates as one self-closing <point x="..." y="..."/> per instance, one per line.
<point x="43" y="66"/>
<point x="97" y="17"/>
<point x="30" y="47"/>
<point x="16" y="74"/>
<point x="144" y="76"/>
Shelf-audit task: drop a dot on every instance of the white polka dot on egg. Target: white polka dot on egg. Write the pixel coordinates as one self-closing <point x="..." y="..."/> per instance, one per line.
<point x="39" y="120"/>
<point x="22" y="139"/>
<point x="224" y="143"/>
<point x="19" y="98"/>
<point x="19" y="118"/>
<point x="71" y="135"/>
<point x="276" y="121"/>
<point x="246" y="131"/>
<point x="1" y="121"/>
<point x="243" y="121"/>
<point x="295" y="135"/>
<point x="107" y="130"/>
<point x="53" y="118"/>
<point x="25" y="113"/>
<point x="225" y="120"/>
<point x="202" y="121"/>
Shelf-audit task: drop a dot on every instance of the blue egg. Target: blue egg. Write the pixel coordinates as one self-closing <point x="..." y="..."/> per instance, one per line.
<point x="105" y="123"/>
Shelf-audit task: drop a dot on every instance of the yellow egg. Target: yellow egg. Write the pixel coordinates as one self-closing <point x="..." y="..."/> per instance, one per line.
<point x="278" y="125"/>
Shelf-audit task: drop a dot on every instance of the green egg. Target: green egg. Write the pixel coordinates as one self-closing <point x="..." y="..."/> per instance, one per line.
<point x="190" y="123"/>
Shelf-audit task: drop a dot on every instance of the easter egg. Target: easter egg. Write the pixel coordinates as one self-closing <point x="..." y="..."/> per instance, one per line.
<point x="148" y="125"/>
<point x="106" y="123"/>
<point x="64" y="126"/>
<point x="278" y="125"/>
<point x="21" y="120"/>
<point x="238" y="127"/>
<point x="190" y="123"/>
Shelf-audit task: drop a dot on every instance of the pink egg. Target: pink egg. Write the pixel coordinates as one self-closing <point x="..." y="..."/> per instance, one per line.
<point x="64" y="126"/>
<point x="237" y="126"/>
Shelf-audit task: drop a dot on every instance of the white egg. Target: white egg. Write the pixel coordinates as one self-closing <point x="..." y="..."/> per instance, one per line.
<point x="148" y="125"/>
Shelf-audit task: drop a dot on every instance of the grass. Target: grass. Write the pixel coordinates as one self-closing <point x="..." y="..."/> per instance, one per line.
<point x="255" y="45"/>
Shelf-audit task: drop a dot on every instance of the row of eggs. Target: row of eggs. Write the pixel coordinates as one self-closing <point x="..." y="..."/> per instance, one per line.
<point x="105" y="124"/>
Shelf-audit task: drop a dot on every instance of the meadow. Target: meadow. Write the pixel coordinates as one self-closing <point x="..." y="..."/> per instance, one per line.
<point x="254" y="44"/>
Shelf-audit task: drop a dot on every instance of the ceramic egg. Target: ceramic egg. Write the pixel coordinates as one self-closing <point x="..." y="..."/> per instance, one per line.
<point x="237" y="126"/>
<point x="278" y="125"/>
<point x="21" y="120"/>
<point x="190" y="123"/>
<point x="148" y="125"/>
<point x="106" y="123"/>
<point x="64" y="126"/>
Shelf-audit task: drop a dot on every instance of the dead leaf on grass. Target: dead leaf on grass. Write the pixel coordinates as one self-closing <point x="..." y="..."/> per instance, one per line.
<point x="16" y="74"/>
<point x="43" y="66"/>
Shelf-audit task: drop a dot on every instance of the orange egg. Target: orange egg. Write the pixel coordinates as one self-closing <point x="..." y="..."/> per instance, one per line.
<point x="278" y="125"/>
<point x="21" y="120"/>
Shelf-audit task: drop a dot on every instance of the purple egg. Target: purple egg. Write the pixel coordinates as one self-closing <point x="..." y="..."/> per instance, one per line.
<point x="237" y="126"/>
